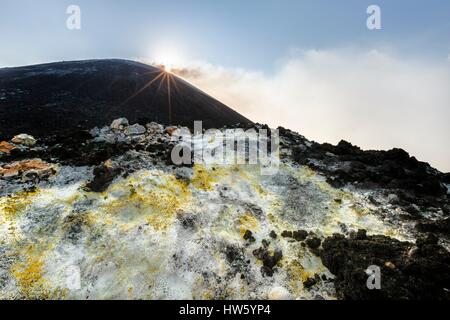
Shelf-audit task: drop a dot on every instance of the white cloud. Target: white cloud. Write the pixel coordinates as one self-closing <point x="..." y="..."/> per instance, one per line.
<point x="373" y="99"/>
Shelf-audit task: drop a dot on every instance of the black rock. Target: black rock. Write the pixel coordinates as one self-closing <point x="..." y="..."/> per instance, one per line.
<point x="300" y="235"/>
<point x="248" y="235"/>
<point x="308" y="283"/>
<point x="269" y="260"/>
<point x="103" y="176"/>
<point x="407" y="271"/>
<point x="286" y="234"/>
<point x="313" y="243"/>
<point x="438" y="226"/>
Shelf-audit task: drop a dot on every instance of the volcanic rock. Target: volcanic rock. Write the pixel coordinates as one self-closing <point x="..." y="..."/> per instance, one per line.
<point x="119" y="124"/>
<point x="24" y="139"/>
<point x="27" y="169"/>
<point x="6" y="147"/>
<point x="135" y="129"/>
<point x="407" y="271"/>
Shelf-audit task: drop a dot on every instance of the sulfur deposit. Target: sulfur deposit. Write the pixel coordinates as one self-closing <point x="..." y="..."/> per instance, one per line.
<point x="106" y="215"/>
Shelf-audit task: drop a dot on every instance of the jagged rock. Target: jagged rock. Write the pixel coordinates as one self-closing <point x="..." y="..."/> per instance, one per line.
<point x="313" y="243"/>
<point x="8" y="173"/>
<point x="393" y="198"/>
<point x="438" y="226"/>
<point x="248" y="235"/>
<point x="119" y="124"/>
<point x="135" y="129"/>
<point x="300" y="235"/>
<point x="393" y="169"/>
<point x="24" y="139"/>
<point x="279" y="293"/>
<point x="310" y="282"/>
<point x="446" y="178"/>
<point x="154" y="127"/>
<point x="171" y="130"/>
<point x="184" y="173"/>
<point x="6" y="147"/>
<point x="269" y="260"/>
<point x="407" y="271"/>
<point x="104" y="174"/>
<point x="27" y="169"/>
<point x="286" y="234"/>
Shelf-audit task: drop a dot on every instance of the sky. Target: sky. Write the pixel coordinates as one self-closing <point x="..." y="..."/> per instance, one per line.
<point x="312" y="66"/>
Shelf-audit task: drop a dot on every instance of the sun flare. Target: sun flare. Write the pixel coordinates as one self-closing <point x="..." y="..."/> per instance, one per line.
<point x="168" y="56"/>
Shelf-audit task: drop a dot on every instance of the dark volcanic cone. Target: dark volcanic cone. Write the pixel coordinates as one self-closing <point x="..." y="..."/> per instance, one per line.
<point x="60" y="97"/>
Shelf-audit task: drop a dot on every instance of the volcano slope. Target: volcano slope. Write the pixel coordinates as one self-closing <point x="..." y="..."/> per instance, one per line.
<point x="105" y="214"/>
<point x="58" y="97"/>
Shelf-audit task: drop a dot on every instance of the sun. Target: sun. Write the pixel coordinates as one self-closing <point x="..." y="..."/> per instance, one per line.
<point x="168" y="56"/>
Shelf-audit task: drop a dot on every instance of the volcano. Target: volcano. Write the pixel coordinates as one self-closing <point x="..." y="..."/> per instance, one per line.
<point x="59" y="97"/>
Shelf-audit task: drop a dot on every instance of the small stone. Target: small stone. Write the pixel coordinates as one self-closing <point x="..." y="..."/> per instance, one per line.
<point x="300" y="235"/>
<point x="184" y="173"/>
<point x="392" y="198"/>
<point x="343" y="227"/>
<point x="311" y="281"/>
<point x="269" y="260"/>
<point x="279" y="293"/>
<point x="104" y="174"/>
<point x="154" y="127"/>
<point x="9" y="174"/>
<point x="413" y="209"/>
<point x="248" y="235"/>
<point x="171" y="130"/>
<point x="286" y="234"/>
<point x="135" y="129"/>
<point x="6" y="147"/>
<point x="119" y="124"/>
<point x="313" y="243"/>
<point x="361" y="234"/>
<point x="389" y="265"/>
<point x="28" y="169"/>
<point x="24" y="139"/>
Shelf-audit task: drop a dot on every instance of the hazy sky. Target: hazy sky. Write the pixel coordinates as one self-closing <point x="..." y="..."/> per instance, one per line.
<point x="312" y="66"/>
<point x="252" y="34"/>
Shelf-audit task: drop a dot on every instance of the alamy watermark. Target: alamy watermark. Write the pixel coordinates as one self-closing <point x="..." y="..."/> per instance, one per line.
<point x="72" y="276"/>
<point x="227" y="147"/>
<point x="73" y="22"/>
<point x="374" y="277"/>
<point x="374" y="20"/>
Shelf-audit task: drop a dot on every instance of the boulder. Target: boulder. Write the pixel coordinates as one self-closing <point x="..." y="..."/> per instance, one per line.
<point x="24" y="139"/>
<point x="171" y="130"/>
<point x="104" y="174"/>
<point x="154" y="127"/>
<point x="119" y="123"/>
<point x="6" y="147"/>
<point x="279" y="293"/>
<point x="408" y="271"/>
<point x="134" y="130"/>
<point x="28" y="170"/>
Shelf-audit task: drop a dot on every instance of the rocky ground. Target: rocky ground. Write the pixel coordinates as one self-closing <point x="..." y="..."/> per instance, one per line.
<point x="106" y="209"/>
